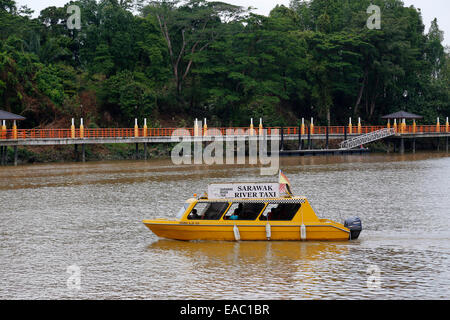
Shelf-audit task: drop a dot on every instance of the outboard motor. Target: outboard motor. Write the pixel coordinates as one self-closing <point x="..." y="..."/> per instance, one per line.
<point x="355" y="226"/>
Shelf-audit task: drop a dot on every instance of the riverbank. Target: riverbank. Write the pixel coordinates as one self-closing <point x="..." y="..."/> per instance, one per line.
<point x="68" y="153"/>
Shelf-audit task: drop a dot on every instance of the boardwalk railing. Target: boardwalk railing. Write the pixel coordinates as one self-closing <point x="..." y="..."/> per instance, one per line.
<point x="99" y="133"/>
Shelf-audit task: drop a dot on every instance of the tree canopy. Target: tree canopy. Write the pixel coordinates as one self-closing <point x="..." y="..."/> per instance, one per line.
<point x="175" y="60"/>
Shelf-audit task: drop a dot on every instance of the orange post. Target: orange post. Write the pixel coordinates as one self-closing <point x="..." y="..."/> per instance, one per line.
<point x="395" y="125"/>
<point x="205" y="128"/>
<point x="3" y="130"/>
<point x="81" y="128"/>
<point x="145" y="128"/>
<point x="389" y="124"/>
<point x="136" y="128"/>
<point x="438" y="126"/>
<point x="196" y="128"/>
<point x="359" y="126"/>
<point x="303" y="126"/>
<point x="72" y="129"/>
<point x="414" y="126"/>
<point x="312" y="126"/>
<point x="447" y="126"/>
<point x="350" y="125"/>
<point x="14" y="130"/>
<point x="260" y="126"/>
<point x="251" y="126"/>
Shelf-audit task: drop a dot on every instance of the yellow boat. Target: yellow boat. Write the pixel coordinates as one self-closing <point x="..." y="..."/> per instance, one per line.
<point x="233" y="219"/>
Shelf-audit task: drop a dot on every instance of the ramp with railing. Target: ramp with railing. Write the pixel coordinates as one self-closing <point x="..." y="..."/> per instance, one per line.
<point x="367" y="138"/>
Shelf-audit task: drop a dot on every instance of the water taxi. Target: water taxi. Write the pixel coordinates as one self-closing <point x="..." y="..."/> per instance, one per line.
<point x="251" y="212"/>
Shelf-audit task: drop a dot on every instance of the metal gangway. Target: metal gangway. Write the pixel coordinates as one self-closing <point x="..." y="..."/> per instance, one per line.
<point x="367" y="138"/>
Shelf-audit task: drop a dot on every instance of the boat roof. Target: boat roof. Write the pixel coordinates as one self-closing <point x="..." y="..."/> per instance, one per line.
<point x="257" y="200"/>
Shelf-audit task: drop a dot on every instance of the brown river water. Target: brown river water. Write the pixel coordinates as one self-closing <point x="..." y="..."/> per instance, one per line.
<point x="55" y="217"/>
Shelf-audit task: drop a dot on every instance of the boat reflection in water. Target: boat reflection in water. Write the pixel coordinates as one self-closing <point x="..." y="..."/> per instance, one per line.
<point x="252" y="250"/>
<point x="249" y="269"/>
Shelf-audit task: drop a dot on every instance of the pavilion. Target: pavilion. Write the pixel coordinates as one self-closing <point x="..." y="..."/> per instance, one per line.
<point x="8" y="116"/>
<point x="5" y="115"/>
<point x="402" y="115"/>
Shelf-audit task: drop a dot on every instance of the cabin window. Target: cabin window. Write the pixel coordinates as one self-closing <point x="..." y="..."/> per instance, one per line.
<point x="208" y="211"/>
<point x="244" y="211"/>
<point x="280" y="212"/>
<point x="182" y="210"/>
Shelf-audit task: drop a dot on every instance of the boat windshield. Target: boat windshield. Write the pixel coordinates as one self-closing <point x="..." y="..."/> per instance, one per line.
<point x="182" y="210"/>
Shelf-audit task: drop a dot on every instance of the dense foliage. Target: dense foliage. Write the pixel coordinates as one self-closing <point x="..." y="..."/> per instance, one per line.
<point x="173" y="61"/>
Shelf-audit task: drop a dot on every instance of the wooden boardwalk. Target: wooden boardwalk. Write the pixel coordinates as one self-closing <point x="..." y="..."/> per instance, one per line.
<point x="88" y="136"/>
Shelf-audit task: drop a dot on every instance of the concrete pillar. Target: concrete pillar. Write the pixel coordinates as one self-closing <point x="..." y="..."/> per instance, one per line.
<point x="300" y="132"/>
<point x="145" y="150"/>
<point x="309" y="139"/>
<point x="414" y="145"/>
<point x="327" y="138"/>
<point x="446" y="144"/>
<point x="2" y="159"/>
<point x="345" y="133"/>
<point x="15" y="155"/>
<point x="282" y="139"/>
<point x="402" y="146"/>
<point x="83" y="152"/>
<point x="136" y="152"/>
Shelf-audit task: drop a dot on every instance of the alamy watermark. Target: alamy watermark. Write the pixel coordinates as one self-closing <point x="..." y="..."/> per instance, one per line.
<point x="229" y="148"/>
<point x="74" y="20"/>
<point x="74" y="280"/>
<point x="374" y="21"/>
<point x="373" y="277"/>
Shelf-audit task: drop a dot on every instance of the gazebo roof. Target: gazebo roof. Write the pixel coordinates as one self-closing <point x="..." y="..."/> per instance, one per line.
<point x="402" y="115"/>
<point x="5" y="115"/>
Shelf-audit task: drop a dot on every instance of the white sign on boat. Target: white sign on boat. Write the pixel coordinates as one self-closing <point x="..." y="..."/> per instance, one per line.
<point x="243" y="190"/>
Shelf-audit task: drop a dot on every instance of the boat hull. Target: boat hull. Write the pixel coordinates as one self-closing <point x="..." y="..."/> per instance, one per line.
<point x="247" y="232"/>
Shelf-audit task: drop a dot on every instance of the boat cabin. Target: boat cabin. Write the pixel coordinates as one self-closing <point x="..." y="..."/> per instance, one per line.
<point x="242" y="209"/>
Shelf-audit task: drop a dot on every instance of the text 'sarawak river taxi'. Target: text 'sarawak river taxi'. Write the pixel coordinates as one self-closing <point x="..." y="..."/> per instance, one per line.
<point x="252" y="211"/>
